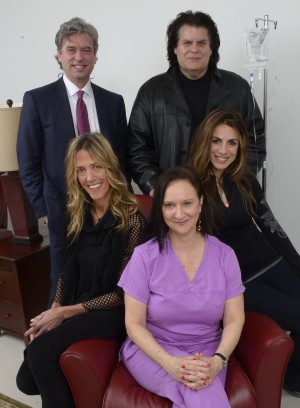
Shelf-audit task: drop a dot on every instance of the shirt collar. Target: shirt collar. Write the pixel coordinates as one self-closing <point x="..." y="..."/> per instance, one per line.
<point x="73" y="89"/>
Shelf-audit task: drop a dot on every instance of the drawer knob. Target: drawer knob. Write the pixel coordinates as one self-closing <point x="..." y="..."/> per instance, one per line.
<point x="7" y="316"/>
<point x="2" y="283"/>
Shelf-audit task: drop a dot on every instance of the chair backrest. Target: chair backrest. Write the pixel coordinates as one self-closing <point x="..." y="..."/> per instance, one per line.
<point x="145" y="204"/>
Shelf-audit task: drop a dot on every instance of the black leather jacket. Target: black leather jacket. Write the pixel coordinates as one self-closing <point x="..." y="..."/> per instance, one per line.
<point x="159" y="131"/>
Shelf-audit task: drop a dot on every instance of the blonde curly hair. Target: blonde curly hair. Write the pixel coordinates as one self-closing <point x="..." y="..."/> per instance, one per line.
<point x="122" y="202"/>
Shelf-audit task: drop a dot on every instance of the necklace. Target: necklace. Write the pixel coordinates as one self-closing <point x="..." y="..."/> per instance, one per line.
<point x="222" y="194"/>
<point x="96" y="214"/>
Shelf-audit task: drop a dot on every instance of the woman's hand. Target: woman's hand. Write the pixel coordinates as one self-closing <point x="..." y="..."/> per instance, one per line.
<point x="45" y="321"/>
<point x="52" y="318"/>
<point x="199" y="371"/>
<point x="174" y="364"/>
<point x="194" y="372"/>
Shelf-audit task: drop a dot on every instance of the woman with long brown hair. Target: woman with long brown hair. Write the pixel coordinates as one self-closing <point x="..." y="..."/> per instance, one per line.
<point x="269" y="263"/>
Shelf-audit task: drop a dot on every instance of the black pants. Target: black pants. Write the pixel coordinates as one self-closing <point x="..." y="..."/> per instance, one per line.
<point x="277" y="294"/>
<point x="40" y="372"/>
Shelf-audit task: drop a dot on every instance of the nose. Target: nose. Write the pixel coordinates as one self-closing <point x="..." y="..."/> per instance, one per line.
<point x="178" y="212"/>
<point x="78" y="55"/>
<point x="223" y="148"/>
<point x="194" y="47"/>
<point x="89" y="174"/>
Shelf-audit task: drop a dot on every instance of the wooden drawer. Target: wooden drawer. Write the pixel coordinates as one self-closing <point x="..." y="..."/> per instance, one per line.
<point x="6" y="265"/>
<point x="11" y="317"/>
<point x="9" y="286"/>
<point x="24" y="284"/>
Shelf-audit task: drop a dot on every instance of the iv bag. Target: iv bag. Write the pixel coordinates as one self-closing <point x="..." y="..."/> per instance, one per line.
<point x="256" y="48"/>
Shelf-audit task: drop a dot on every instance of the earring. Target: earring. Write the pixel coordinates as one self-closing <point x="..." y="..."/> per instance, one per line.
<point x="199" y="224"/>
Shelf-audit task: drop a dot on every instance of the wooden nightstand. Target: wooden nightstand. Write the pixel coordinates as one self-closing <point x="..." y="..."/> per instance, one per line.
<point x="24" y="284"/>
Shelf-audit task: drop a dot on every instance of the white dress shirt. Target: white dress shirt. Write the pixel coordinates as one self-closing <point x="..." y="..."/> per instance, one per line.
<point x="89" y="100"/>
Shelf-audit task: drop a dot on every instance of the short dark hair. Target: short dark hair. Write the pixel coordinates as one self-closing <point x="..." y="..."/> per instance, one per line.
<point x="157" y="229"/>
<point x="194" y="19"/>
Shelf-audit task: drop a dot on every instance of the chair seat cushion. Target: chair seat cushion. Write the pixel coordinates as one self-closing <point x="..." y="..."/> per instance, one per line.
<point x="124" y="391"/>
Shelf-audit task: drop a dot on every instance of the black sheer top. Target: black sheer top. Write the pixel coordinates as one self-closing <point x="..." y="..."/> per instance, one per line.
<point x="95" y="262"/>
<point x="259" y="241"/>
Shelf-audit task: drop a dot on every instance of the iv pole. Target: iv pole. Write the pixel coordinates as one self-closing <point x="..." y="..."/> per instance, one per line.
<point x="266" y="21"/>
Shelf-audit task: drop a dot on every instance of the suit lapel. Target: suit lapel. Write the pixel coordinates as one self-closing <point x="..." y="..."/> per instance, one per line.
<point x="100" y="106"/>
<point x="63" y="110"/>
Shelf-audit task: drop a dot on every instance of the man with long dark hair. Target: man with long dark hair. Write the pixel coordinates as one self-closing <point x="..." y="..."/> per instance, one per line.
<point x="169" y="107"/>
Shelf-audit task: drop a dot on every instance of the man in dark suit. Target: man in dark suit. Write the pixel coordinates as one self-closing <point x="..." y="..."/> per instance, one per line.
<point x="48" y="122"/>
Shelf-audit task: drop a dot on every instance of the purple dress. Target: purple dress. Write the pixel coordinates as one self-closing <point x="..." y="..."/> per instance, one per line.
<point x="183" y="316"/>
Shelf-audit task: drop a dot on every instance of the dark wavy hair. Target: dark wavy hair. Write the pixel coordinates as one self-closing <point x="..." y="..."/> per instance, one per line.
<point x="157" y="228"/>
<point x="194" y="19"/>
<point x="199" y="158"/>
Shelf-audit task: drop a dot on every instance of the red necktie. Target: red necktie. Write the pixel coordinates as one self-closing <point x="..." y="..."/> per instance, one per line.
<point x="83" y="125"/>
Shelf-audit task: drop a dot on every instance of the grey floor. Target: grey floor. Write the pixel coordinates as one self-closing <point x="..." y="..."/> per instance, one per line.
<point x="11" y="356"/>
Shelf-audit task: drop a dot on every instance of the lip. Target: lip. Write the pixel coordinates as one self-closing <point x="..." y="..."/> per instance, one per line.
<point x="180" y="222"/>
<point x="221" y="159"/>
<point x="95" y="187"/>
<point x="78" y="66"/>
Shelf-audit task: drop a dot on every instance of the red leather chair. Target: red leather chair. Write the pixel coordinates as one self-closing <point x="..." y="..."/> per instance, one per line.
<point x="254" y="378"/>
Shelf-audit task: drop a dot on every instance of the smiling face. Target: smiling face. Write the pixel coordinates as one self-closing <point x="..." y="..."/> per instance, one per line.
<point x="77" y="58"/>
<point x="224" y="148"/>
<point x="193" y="51"/>
<point x="93" y="179"/>
<point x="181" y="208"/>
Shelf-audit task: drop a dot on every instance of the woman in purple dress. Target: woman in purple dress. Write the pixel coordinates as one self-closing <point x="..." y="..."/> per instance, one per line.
<point x="183" y="300"/>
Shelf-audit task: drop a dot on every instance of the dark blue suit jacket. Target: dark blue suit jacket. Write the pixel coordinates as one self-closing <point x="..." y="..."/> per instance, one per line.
<point x="46" y="127"/>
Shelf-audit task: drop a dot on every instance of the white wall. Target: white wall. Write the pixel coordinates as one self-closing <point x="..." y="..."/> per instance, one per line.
<point x="132" y="49"/>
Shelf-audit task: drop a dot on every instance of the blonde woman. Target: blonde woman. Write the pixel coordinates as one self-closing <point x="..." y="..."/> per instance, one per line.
<point x="104" y="227"/>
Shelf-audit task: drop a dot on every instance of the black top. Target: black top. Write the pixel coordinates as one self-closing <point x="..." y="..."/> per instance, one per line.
<point x="256" y="248"/>
<point x="96" y="261"/>
<point x="196" y="95"/>
<point x="159" y="130"/>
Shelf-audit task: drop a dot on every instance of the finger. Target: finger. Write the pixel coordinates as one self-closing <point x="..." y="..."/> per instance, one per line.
<point x="29" y="332"/>
<point x="193" y="386"/>
<point x="199" y="371"/>
<point x="197" y="378"/>
<point x="38" y="317"/>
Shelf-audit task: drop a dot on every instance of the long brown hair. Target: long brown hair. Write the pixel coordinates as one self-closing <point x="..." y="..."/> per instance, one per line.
<point x="237" y="172"/>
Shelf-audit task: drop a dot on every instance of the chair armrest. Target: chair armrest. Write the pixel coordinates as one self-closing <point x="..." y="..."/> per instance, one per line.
<point x="263" y="351"/>
<point x="145" y="204"/>
<point x="88" y="366"/>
